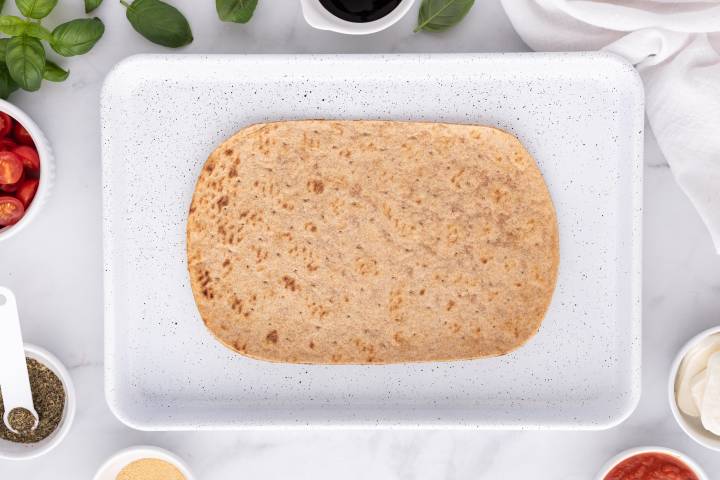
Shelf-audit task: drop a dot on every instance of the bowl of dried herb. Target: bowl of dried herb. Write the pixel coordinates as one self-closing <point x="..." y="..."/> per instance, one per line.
<point x="54" y="401"/>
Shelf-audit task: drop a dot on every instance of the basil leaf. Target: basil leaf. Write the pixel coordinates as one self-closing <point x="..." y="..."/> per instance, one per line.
<point x="159" y="22"/>
<point x="91" y="5"/>
<point x="3" y="48"/>
<point x="54" y="72"/>
<point x="36" y="8"/>
<point x="76" y="36"/>
<point x="439" y="15"/>
<point x="238" y="11"/>
<point x="38" y="31"/>
<point x="12" y="25"/>
<point x="25" y="59"/>
<point x="7" y="84"/>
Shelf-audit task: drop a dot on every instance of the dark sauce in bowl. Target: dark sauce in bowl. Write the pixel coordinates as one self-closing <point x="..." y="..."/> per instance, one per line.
<point x="360" y="11"/>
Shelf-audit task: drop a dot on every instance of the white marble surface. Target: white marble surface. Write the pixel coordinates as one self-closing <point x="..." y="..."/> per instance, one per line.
<point x="55" y="269"/>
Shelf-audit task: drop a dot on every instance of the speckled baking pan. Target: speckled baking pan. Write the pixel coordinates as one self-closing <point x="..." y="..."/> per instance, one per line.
<point x="580" y="115"/>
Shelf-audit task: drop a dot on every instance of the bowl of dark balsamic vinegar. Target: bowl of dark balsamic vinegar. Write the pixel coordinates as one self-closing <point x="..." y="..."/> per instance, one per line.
<point x="354" y="17"/>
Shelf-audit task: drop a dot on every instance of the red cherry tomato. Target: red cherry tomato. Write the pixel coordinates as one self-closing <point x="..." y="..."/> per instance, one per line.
<point x="6" y="124"/>
<point x="22" y="136"/>
<point x="11" y="187"/>
<point x="11" y="210"/>
<point x="11" y="168"/>
<point x="26" y="192"/>
<point x="7" y="144"/>
<point x="29" y="158"/>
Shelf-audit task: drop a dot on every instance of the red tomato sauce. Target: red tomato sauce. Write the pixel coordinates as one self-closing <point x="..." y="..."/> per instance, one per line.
<point x="651" y="466"/>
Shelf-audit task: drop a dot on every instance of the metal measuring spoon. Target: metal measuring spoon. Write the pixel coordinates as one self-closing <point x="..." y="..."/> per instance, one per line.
<point x="14" y="378"/>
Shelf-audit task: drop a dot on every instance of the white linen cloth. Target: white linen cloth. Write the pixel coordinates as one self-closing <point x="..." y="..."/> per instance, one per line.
<point x="675" y="45"/>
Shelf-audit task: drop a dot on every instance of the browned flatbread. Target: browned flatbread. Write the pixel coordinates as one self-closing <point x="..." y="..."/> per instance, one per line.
<point x="372" y="242"/>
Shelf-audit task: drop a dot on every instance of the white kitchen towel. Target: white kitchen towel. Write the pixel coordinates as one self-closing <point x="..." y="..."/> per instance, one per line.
<point x="675" y="45"/>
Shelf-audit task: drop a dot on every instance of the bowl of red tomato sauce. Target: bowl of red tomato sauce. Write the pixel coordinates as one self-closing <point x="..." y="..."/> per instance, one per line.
<point x="651" y="463"/>
<point x="26" y="169"/>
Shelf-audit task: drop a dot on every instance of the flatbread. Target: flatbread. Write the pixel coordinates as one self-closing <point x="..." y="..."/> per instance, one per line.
<point x="371" y="242"/>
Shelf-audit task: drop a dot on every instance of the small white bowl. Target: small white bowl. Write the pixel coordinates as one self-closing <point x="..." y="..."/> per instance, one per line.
<point x="110" y="469"/>
<point x="47" y="168"/>
<point x="691" y="425"/>
<point x="25" y="451"/>
<point x="318" y="17"/>
<point x="667" y="451"/>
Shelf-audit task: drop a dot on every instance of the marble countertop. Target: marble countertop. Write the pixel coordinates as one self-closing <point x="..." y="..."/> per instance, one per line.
<point x="55" y="269"/>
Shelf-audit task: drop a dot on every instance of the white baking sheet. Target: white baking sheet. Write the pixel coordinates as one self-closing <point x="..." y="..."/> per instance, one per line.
<point x="580" y="115"/>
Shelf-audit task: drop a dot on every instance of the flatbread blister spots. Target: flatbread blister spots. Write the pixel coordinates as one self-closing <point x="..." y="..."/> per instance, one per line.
<point x="372" y="242"/>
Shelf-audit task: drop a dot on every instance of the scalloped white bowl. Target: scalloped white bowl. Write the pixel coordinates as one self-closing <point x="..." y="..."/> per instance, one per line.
<point x="112" y="467"/>
<point x="26" y="451"/>
<point x="690" y="425"/>
<point x="318" y="17"/>
<point x="637" y="450"/>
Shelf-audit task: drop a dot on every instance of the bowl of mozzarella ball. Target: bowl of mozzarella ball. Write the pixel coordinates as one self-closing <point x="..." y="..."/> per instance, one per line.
<point x="694" y="388"/>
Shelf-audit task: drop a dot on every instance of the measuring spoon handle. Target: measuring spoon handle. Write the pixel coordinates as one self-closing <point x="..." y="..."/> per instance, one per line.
<point x="14" y="379"/>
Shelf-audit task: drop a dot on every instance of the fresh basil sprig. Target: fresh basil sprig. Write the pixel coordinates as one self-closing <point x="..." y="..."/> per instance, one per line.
<point x="238" y="11"/>
<point x="439" y="15"/>
<point x="159" y="22"/>
<point x="23" y="62"/>
<point x="91" y="5"/>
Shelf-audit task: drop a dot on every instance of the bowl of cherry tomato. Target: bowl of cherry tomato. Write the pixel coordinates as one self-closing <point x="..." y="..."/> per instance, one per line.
<point x="26" y="169"/>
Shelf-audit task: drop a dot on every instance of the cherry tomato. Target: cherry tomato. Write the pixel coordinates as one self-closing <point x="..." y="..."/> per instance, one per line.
<point x="11" y="168"/>
<point x="7" y="144"/>
<point x="11" y="187"/>
<point x="6" y="124"/>
<point x="11" y="210"/>
<point x="29" y="158"/>
<point x="22" y="136"/>
<point x="26" y="192"/>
